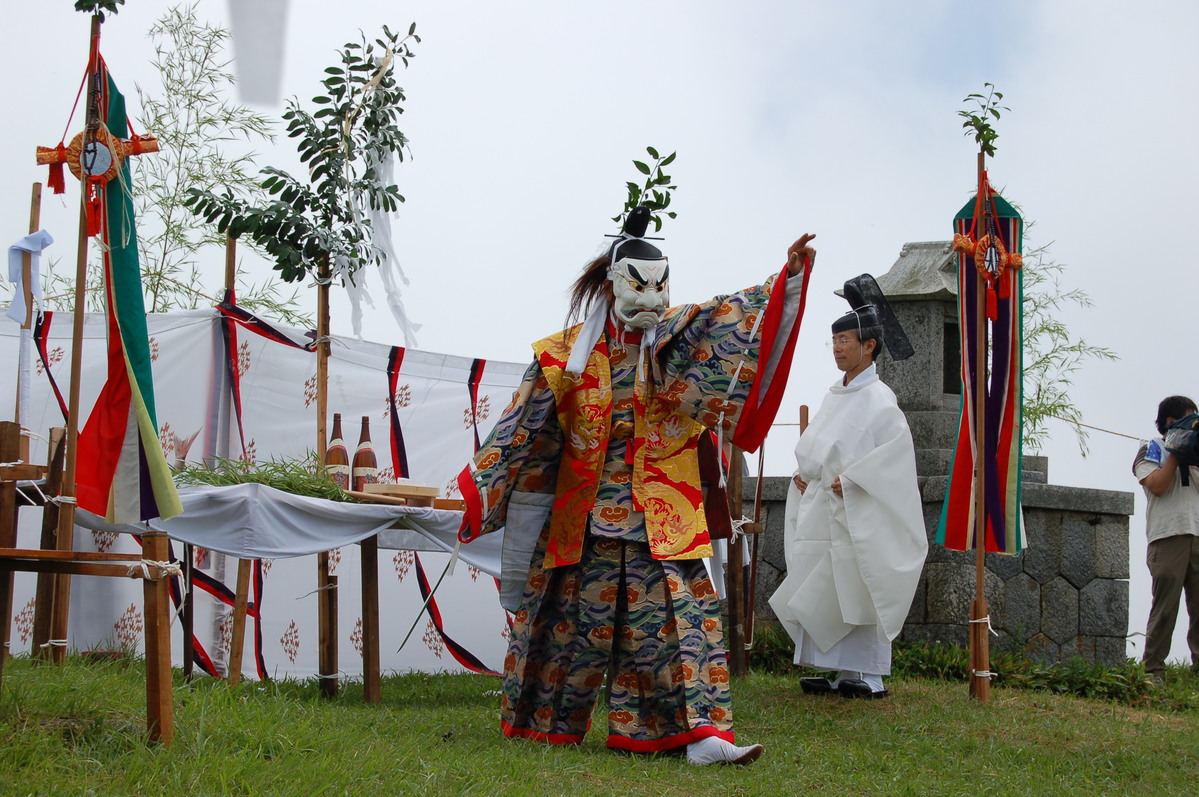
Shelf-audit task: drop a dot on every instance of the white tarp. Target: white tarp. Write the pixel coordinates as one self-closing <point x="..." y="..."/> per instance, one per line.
<point x="440" y="416"/>
<point x="254" y="521"/>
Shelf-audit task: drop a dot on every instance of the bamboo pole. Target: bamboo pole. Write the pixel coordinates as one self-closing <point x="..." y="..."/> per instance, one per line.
<point x="326" y="584"/>
<point x="980" y="655"/>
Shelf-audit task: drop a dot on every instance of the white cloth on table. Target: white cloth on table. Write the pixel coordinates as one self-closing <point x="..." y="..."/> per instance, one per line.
<point x="254" y="521"/>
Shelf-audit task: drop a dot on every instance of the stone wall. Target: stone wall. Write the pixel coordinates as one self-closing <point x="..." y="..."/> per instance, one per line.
<point x="1065" y="595"/>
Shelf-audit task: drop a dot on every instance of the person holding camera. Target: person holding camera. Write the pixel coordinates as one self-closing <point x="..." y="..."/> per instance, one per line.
<point x="1172" y="526"/>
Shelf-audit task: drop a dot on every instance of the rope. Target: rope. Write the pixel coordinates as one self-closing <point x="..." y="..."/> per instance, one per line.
<point x="1055" y="417"/>
<point x="738" y="524"/>
<point x="986" y="620"/>
<point x="53" y="643"/>
<point x="164" y="569"/>
<point x="318" y="589"/>
<point x="69" y="500"/>
<point x="1096" y="428"/>
<point x="37" y="487"/>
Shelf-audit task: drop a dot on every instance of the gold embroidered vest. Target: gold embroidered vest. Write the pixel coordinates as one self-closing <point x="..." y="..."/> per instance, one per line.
<point x="666" y="478"/>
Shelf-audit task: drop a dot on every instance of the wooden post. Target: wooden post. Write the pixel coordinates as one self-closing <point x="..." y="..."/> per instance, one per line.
<point x="230" y="265"/>
<point x="751" y="587"/>
<point x="735" y="580"/>
<point x="10" y="442"/>
<point x="372" y="691"/>
<point x="326" y="584"/>
<point x="66" y="514"/>
<point x="160" y="710"/>
<point x="35" y="216"/>
<point x="46" y="592"/>
<point x="237" y="637"/>
<point x="188" y="619"/>
<point x="980" y="654"/>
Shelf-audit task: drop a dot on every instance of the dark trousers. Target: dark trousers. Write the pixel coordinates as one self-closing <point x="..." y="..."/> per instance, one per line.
<point x="1174" y="565"/>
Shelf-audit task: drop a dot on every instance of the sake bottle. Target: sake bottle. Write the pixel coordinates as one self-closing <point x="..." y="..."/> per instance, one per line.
<point x="365" y="469"/>
<point x="337" y="458"/>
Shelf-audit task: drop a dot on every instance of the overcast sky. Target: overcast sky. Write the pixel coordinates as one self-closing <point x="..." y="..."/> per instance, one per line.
<point x="837" y="118"/>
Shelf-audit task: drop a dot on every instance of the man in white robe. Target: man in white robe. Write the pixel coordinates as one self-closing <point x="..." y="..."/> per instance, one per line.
<point x="854" y="540"/>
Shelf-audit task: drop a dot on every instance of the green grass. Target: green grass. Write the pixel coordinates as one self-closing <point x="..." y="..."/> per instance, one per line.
<point x="79" y="729"/>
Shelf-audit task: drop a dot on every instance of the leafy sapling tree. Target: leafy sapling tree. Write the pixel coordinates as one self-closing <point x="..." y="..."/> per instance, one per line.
<point x="978" y="121"/>
<point x="319" y="223"/>
<point x="654" y="193"/>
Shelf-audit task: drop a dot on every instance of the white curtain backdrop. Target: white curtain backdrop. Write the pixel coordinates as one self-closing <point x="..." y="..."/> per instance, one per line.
<point x="438" y="427"/>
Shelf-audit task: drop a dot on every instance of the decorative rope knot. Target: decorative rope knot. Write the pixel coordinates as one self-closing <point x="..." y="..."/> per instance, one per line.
<point x="738" y="525"/>
<point x="979" y="249"/>
<point x="991" y="259"/>
<point x="162" y="569"/>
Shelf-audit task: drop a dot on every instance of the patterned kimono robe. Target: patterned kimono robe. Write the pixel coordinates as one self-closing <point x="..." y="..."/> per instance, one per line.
<point x="595" y="480"/>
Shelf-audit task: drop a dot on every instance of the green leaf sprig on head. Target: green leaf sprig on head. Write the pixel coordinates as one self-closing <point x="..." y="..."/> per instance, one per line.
<point x="654" y="193"/>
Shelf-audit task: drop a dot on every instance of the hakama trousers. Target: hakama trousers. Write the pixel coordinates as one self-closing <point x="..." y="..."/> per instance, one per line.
<point x="652" y="627"/>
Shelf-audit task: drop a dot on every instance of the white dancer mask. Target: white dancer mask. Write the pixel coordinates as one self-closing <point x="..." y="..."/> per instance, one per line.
<point x="640" y="291"/>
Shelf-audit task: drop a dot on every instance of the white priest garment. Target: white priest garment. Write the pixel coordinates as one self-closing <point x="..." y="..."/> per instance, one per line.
<point x="853" y="562"/>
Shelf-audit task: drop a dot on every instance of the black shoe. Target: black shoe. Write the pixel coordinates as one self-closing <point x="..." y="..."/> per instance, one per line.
<point x="855" y="688"/>
<point x="816" y="686"/>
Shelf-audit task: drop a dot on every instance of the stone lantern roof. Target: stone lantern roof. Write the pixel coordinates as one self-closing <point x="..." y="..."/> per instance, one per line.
<point x="923" y="270"/>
